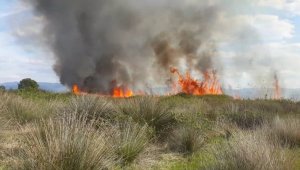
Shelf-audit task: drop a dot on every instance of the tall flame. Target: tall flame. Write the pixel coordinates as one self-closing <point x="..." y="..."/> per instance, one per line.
<point x="277" y="89"/>
<point x="189" y="85"/>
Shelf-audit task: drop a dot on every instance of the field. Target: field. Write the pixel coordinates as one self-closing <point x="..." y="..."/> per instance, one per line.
<point x="45" y="131"/>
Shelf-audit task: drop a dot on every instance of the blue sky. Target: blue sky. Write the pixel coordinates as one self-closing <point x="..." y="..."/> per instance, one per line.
<point x="276" y="21"/>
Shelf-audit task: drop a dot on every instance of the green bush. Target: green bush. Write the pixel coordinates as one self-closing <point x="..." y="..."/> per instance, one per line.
<point x="2" y="88"/>
<point x="28" y="84"/>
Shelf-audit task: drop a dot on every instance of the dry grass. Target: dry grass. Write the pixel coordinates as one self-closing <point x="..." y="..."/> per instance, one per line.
<point x="68" y="143"/>
<point x="286" y="130"/>
<point x="89" y="132"/>
<point x="249" y="150"/>
<point x="93" y="107"/>
<point x="186" y="140"/>
<point x="131" y="140"/>
<point x="150" y="111"/>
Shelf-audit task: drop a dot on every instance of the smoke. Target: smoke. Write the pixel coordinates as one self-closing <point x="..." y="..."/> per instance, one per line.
<point x="104" y="43"/>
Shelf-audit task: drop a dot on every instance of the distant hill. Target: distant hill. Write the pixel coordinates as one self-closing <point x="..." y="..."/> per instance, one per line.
<point x="53" y="87"/>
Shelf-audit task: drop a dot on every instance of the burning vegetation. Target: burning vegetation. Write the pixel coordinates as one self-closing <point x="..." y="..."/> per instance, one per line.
<point x="210" y="85"/>
<point x="120" y="48"/>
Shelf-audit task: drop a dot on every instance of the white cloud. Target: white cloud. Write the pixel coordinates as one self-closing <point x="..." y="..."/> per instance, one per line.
<point x="16" y="9"/>
<point x="292" y="6"/>
<point x="270" y="27"/>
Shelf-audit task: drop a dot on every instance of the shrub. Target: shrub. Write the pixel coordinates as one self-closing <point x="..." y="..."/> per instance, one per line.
<point x="28" y="84"/>
<point x="186" y="140"/>
<point x="251" y="150"/>
<point x="148" y="110"/>
<point x="2" y="88"/>
<point x="287" y="131"/>
<point x="131" y="141"/>
<point x="66" y="143"/>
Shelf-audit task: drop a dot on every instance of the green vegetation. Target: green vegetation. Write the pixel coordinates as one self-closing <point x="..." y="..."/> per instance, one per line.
<point x="2" y="88"/>
<point x="28" y="84"/>
<point x="41" y="130"/>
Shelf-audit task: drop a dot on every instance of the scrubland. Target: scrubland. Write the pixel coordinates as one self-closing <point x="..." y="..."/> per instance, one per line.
<point x="46" y="131"/>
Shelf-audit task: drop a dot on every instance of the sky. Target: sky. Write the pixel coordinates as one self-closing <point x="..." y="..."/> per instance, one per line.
<point x="277" y="23"/>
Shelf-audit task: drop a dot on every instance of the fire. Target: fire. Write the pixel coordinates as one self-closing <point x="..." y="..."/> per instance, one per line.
<point x="119" y="91"/>
<point x="277" y="89"/>
<point x="122" y="92"/>
<point x="189" y="85"/>
<point x="76" y="89"/>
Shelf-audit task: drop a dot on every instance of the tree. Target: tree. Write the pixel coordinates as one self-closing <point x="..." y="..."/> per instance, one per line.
<point x="2" y="88"/>
<point x="28" y="84"/>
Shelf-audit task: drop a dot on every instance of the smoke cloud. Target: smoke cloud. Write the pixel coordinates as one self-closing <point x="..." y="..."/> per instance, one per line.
<point x="104" y="43"/>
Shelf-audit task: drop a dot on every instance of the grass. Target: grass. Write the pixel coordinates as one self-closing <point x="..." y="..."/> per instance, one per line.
<point x="149" y="111"/>
<point x="40" y="130"/>
<point x="68" y="143"/>
<point x="286" y="130"/>
<point x="251" y="150"/>
<point x="91" y="106"/>
<point x="186" y="140"/>
<point x="131" y="139"/>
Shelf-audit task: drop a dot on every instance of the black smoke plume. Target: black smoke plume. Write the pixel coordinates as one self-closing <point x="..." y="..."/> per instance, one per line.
<point x="103" y="43"/>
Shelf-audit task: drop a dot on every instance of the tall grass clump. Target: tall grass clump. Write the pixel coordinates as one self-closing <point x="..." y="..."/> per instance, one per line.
<point x="150" y="111"/>
<point x="286" y="130"/>
<point x="186" y="140"/>
<point x="19" y="110"/>
<point x="241" y="117"/>
<point x="131" y="140"/>
<point x="92" y="106"/>
<point x="250" y="150"/>
<point x="70" y="142"/>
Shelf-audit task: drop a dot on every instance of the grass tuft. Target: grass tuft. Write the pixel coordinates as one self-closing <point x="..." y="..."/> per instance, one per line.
<point x="150" y="111"/>
<point x="250" y="150"/>
<point x="186" y="140"/>
<point x="68" y="143"/>
<point x="131" y="141"/>
<point x="286" y="130"/>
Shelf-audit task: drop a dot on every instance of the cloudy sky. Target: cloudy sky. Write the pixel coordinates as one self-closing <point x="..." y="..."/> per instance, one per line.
<point x="276" y="22"/>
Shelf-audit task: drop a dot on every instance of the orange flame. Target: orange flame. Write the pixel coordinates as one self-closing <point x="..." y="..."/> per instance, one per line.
<point x="122" y="92"/>
<point x="277" y="89"/>
<point x="189" y="85"/>
<point x="76" y="89"/>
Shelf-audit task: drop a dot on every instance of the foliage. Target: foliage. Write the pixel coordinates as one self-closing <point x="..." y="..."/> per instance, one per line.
<point x="2" y="88"/>
<point x="28" y="84"/>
